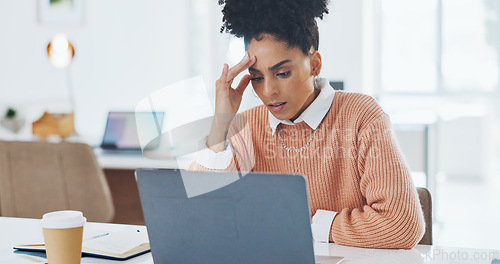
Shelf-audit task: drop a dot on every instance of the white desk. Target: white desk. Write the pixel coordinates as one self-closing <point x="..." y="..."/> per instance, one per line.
<point x="16" y="231"/>
<point x="132" y="161"/>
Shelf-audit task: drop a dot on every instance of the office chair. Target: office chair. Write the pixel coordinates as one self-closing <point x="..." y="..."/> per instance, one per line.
<point x="39" y="177"/>
<point x="426" y="202"/>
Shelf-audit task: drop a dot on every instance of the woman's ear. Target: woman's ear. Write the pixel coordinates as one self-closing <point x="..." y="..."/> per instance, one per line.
<point x="315" y="60"/>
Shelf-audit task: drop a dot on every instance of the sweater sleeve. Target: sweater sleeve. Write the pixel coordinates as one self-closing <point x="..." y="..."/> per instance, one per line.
<point x="241" y="143"/>
<point x="392" y="216"/>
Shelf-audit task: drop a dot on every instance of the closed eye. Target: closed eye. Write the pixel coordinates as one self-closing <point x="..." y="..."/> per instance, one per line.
<point x="256" y="79"/>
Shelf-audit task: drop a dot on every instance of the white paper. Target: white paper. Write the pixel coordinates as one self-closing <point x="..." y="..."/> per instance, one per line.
<point x="117" y="242"/>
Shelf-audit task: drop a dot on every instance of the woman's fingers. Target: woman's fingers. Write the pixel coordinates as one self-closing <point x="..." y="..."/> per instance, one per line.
<point x="244" y="64"/>
<point x="228" y="74"/>
<point x="236" y="69"/>
<point x="223" y="76"/>
<point x="245" y="80"/>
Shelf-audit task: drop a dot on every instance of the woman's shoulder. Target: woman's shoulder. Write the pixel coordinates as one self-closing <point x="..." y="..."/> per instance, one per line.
<point x="355" y="99"/>
<point x="357" y="106"/>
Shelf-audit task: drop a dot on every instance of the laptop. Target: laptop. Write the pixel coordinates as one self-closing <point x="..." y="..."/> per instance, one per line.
<point x="122" y="131"/>
<point x="222" y="217"/>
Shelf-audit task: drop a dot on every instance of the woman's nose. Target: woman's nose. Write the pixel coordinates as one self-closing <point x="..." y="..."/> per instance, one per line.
<point x="269" y="88"/>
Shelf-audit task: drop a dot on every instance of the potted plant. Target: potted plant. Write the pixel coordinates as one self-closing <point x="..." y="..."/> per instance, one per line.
<point x="12" y="121"/>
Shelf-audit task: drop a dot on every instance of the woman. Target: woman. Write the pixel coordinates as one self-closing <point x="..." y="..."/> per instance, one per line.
<point x="361" y="192"/>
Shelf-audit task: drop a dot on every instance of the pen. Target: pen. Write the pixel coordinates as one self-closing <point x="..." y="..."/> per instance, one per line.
<point x="101" y="235"/>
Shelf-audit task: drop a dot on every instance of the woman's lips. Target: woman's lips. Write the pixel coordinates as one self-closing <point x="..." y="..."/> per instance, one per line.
<point x="277" y="106"/>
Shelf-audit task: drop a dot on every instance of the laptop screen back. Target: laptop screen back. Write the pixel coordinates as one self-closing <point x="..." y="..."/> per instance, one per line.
<point x="259" y="218"/>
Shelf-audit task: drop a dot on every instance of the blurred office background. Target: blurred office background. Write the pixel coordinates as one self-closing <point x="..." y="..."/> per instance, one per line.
<point x="434" y="66"/>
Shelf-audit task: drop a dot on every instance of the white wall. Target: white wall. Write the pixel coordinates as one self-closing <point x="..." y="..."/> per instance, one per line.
<point x="127" y="49"/>
<point x="341" y="43"/>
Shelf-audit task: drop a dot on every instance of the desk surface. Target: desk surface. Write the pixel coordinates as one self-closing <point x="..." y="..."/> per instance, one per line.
<point x="132" y="161"/>
<point x="17" y="231"/>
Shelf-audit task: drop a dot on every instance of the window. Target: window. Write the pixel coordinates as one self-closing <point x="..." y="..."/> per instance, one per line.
<point x="470" y="56"/>
<point x="439" y="46"/>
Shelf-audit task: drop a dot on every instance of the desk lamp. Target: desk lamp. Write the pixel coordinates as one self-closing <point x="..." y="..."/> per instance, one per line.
<point x="60" y="52"/>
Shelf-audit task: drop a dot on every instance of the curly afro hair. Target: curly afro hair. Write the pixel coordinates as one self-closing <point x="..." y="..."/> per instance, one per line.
<point x="291" y="21"/>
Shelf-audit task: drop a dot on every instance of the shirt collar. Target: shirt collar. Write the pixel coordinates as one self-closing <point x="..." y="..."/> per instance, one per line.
<point x="315" y="112"/>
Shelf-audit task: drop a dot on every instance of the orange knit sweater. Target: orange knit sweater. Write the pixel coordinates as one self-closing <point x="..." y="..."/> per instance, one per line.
<point x="352" y="165"/>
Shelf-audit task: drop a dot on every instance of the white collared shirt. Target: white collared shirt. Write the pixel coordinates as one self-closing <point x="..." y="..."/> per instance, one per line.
<point x="315" y="112"/>
<point x="313" y="115"/>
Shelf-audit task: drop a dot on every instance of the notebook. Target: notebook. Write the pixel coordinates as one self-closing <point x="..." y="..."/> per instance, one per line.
<point x="120" y="245"/>
<point x="124" y="131"/>
<point x="195" y="217"/>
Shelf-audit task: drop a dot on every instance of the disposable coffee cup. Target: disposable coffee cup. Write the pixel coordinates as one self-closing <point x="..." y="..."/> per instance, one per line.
<point x="63" y="235"/>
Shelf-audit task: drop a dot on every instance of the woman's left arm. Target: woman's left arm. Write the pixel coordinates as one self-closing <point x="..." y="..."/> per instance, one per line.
<point x="392" y="216"/>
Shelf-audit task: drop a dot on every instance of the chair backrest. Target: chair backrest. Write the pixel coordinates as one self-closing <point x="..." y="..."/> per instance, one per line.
<point x="39" y="177"/>
<point x="426" y="202"/>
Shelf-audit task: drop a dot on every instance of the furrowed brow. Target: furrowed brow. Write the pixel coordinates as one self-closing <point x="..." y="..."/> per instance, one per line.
<point x="278" y="65"/>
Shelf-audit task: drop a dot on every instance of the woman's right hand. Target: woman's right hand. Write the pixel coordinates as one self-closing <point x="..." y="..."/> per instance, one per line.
<point x="227" y="101"/>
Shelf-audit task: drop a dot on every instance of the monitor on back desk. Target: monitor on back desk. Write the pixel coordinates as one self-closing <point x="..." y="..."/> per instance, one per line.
<point x="121" y="132"/>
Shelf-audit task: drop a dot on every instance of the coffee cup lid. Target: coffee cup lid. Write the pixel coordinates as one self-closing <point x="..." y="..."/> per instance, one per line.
<point x="63" y="219"/>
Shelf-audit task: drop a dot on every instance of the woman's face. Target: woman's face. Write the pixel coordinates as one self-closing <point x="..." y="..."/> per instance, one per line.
<point x="283" y="77"/>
